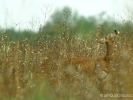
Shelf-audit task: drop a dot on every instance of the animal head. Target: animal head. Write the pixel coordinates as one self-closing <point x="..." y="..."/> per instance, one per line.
<point x="109" y="38"/>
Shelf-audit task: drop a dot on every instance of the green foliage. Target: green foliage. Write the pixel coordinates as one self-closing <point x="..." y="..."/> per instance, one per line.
<point x="20" y="35"/>
<point x="43" y="91"/>
<point x="64" y="22"/>
<point x="69" y="23"/>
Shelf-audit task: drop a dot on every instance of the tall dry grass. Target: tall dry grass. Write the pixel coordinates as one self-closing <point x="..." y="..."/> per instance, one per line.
<point x="29" y="72"/>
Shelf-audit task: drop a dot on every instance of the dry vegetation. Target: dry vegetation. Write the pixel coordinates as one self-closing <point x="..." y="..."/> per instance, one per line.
<point x="40" y="72"/>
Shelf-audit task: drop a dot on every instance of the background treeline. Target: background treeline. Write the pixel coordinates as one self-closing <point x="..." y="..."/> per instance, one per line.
<point x="66" y="23"/>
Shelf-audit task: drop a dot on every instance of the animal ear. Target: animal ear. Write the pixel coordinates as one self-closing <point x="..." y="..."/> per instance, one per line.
<point x="116" y="32"/>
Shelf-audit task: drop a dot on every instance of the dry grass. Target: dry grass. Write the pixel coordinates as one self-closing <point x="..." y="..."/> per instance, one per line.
<point x="38" y="72"/>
